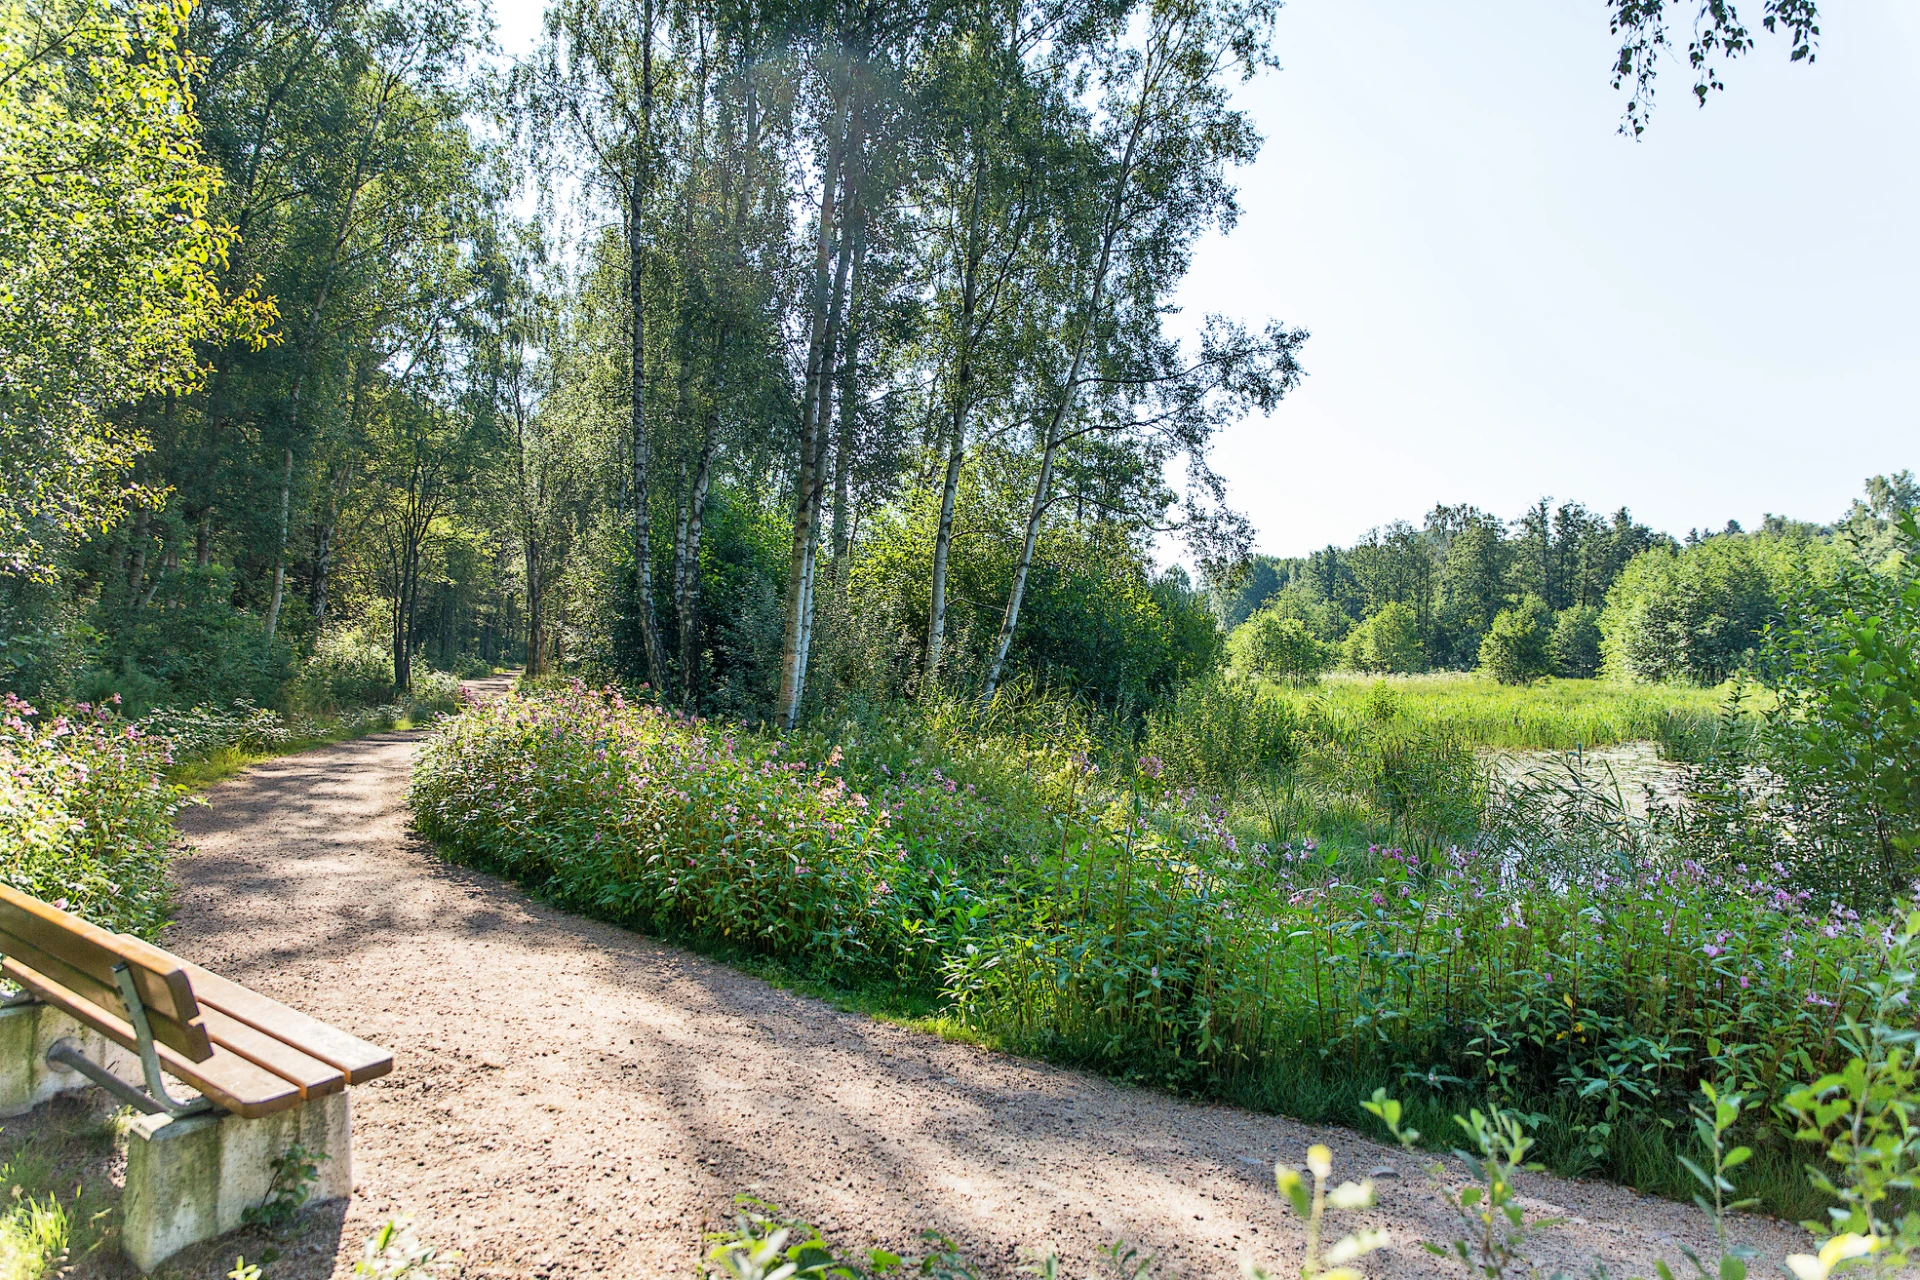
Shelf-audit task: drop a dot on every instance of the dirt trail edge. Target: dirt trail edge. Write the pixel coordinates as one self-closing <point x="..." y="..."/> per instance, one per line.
<point x="572" y="1098"/>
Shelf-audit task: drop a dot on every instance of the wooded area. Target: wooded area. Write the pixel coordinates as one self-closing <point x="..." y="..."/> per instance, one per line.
<point x="766" y="355"/>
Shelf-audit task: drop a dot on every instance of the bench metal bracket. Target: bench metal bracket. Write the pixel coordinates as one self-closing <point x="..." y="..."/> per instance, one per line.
<point x="155" y="1100"/>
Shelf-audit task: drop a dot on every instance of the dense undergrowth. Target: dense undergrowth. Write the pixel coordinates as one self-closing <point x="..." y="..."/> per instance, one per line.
<point x="1059" y="892"/>
<point x="86" y="814"/>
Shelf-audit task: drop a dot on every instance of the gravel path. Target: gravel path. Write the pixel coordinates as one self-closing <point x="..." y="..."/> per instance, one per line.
<point x="570" y="1098"/>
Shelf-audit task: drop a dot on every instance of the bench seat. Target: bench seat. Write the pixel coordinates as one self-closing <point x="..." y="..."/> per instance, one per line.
<point x="241" y="1051"/>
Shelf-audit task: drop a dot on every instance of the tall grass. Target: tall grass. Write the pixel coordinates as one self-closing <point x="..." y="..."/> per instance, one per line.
<point x="34" y="1236"/>
<point x="1548" y="715"/>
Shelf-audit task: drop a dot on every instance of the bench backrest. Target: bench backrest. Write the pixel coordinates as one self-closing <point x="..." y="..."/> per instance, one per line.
<point x="59" y="956"/>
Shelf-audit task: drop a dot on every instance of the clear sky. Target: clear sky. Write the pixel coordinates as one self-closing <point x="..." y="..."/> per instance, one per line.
<point x="1509" y="300"/>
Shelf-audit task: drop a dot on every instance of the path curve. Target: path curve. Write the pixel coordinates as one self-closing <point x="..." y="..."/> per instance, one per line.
<point x="571" y="1098"/>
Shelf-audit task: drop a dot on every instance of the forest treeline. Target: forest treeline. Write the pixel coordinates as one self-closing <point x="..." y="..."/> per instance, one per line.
<point x="1558" y="591"/>
<point x="769" y="355"/>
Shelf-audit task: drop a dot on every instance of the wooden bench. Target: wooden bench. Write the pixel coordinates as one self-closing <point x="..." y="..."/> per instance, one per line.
<point x="242" y="1052"/>
<point x="265" y="1076"/>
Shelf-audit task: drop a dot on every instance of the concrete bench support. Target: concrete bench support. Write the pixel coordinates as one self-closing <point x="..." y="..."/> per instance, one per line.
<point x="191" y="1179"/>
<point x="27" y="1079"/>
<point x="188" y="1179"/>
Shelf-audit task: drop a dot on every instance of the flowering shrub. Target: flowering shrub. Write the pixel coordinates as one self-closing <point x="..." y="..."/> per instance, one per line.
<point x="640" y="815"/>
<point x="197" y="730"/>
<point x="86" y="818"/>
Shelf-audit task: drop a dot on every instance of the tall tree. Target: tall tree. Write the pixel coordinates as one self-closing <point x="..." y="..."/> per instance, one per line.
<point x="1162" y="140"/>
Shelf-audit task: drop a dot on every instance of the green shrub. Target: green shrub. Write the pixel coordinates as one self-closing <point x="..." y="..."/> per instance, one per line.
<point x="629" y="812"/>
<point x="349" y="667"/>
<point x="1278" y="646"/>
<point x="187" y="645"/>
<point x="1695" y="615"/>
<point x="1217" y="733"/>
<point x="1388" y="641"/>
<point x="1515" y="649"/>
<point x="1831" y="784"/>
<point x="86" y="818"/>
<point x="1574" y="646"/>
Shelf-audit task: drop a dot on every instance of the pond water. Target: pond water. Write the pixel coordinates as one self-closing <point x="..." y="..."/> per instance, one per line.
<point x="1633" y="768"/>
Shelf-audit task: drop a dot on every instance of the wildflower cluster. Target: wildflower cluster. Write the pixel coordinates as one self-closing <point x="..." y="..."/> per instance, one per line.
<point x="86" y="816"/>
<point x="646" y="816"/>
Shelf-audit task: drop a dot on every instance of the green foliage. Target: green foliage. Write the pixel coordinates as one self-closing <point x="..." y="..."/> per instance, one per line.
<point x="647" y="818"/>
<point x="1516" y="648"/>
<point x="1574" y="647"/>
<point x="1865" y="1117"/>
<point x="349" y="666"/>
<point x="1844" y="735"/>
<point x="1455" y="572"/>
<point x="187" y="644"/>
<point x="108" y="261"/>
<point x="1388" y="641"/>
<point x="86" y="817"/>
<point x="1097" y="619"/>
<point x="35" y="1233"/>
<point x="1217" y="733"/>
<point x="765" y="1244"/>
<point x="1310" y="1205"/>
<point x="1278" y="646"/>
<point x="1696" y="614"/>
<point x="1495" y="1228"/>
<point x="1545" y="715"/>
<point x="295" y="1171"/>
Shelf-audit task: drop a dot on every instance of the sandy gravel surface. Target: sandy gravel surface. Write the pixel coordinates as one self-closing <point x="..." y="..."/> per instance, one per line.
<point x="570" y="1098"/>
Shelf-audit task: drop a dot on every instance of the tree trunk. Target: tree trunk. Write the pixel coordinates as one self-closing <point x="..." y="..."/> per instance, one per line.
<point x="203" y="541"/>
<point x="656" y="657"/>
<point x="322" y="566"/>
<point x="836" y="310"/>
<point x="642" y="507"/>
<point x="536" y="655"/>
<point x="137" y="567"/>
<point x="406" y="587"/>
<point x="686" y="569"/>
<point x="280" y="553"/>
<point x="849" y="409"/>
<point x="956" y="442"/>
<point x="805" y="535"/>
<point x="402" y="668"/>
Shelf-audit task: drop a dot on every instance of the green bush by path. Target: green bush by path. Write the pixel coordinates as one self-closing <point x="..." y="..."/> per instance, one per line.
<point x="86" y="815"/>
<point x="641" y="816"/>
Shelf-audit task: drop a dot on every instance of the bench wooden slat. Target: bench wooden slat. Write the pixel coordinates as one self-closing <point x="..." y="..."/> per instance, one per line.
<point x="312" y="1077"/>
<point x="354" y="1057"/>
<point x="192" y="1042"/>
<point x="229" y="1079"/>
<point x="38" y="933"/>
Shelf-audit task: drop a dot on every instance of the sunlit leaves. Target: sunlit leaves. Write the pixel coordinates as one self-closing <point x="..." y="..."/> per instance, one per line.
<point x="109" y="269"/>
